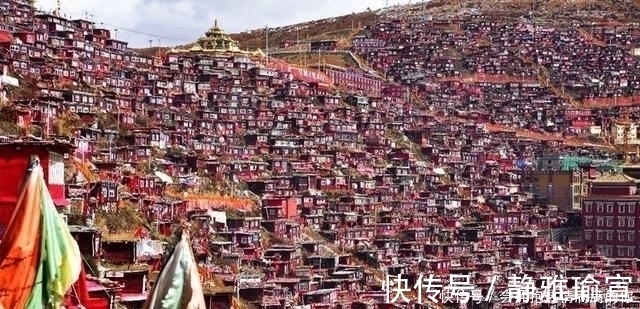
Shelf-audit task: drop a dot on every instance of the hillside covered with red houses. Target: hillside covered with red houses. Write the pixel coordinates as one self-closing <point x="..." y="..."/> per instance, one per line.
<point x="470" y="144"/>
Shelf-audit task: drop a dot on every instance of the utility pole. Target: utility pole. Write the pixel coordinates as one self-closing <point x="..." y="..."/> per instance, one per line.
<point x="549" y="223"/>
<point x="549" y="199"/>
<point x="158" y="47"/>
<point x="309" y="49"/>
<point x="48" y="120"/>
<point x="298" y="43"/>
<point x="266" y="29"/>
<point x="117" y="132"/>
<point x="352" y="21"/>
<point x="238" y="264"/>
<point x="118" y="122"/>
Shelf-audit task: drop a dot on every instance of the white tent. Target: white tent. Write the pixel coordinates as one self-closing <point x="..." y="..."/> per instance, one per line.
<point x="164" y="177"/>
<point x="5" y="79"/>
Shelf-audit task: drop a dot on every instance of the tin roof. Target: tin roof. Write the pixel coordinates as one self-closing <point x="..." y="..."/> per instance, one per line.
<point x="61" y="144"/>
<point x="614" y="178"/>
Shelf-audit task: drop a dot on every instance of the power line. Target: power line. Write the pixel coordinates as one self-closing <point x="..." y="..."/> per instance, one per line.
<point x="83" y="14"/>
<point x="69" y="15"/>
<point x="144" y="33"/>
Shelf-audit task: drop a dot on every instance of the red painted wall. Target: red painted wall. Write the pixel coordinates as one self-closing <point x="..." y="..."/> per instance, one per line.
<point x="14" y="160"/>
<point x="13" y="170"/>
<point x="291" y="208"/>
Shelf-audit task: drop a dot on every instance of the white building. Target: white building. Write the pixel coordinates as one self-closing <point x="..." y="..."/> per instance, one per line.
<point x="618" y="134"/>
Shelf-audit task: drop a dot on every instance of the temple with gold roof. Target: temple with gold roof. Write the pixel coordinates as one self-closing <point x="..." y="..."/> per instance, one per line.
<point x="215" y="40"/>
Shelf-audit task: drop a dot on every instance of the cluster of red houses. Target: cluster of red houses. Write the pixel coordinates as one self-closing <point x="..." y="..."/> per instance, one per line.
<point x="335" y="185"/>
<point x="558" y="79"/>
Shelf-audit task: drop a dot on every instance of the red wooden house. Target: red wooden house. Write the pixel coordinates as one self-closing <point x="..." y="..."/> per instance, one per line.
<point x="134" y="280"/>
<point x="148" y="184"/>
<point x="119" y="250"/>
<point x="14" y="160"/>
<point x="275" y="213"/>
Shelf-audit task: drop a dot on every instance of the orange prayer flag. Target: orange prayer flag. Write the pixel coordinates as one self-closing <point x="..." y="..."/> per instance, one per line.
<point x="20" y="247"/>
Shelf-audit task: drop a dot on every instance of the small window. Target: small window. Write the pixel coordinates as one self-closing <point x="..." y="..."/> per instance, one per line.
<point x="608" y="251"/>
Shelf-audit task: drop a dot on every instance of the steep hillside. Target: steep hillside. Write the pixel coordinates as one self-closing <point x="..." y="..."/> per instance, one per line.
<point x="545" y="9"/>
<point x="309" y="58"/>
<point x="343" y="28"/>
<point x="339" y="28"/>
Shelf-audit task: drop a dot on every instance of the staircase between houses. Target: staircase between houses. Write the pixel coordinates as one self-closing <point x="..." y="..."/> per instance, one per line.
<point x="543" y="77"/>
<point x="590" y="38"/>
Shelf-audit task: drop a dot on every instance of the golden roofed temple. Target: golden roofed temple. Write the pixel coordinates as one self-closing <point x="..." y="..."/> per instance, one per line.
<point x="215" y="40"/>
